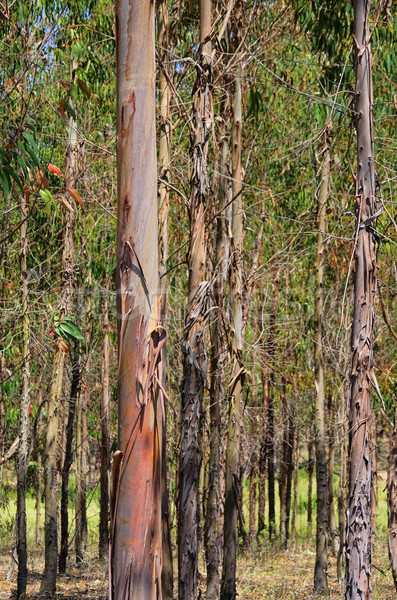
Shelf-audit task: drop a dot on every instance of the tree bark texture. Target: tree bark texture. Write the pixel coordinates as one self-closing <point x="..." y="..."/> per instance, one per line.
<point x="321" y="565"/>
<point x="105" y="433"/>
<point x="392" y="502"/>
<point x="24" y="425"/>
<point x="212" y="524"/>
<point x="358" y="538"/>
<point x="163" y="208"/>
<point x="193" y="347"/>
<point x="136" y="496"/>
<point x="48" y="582"/>
<point x="80" y="540"/>
<point x="232" y="500"/>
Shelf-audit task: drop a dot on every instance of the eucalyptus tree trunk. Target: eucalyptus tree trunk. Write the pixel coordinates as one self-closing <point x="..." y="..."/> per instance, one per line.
<point x="392" y="501"/>
<point x="193" y="347"/>
<point x="212" y="525"/>
<point x="358" y="537"/>
<point x="136" y="497"/>
<point x="321" y="565"/>
<point x="270" y="349"/>
<point x="48" y="583"/>
<point x="68" y="459"/>
<point x="228" y="587"/>
<point x="24" y="426"/>
<point x="310" y="469"/>
<point x="262" y="452"/>
<point x="332" y="528"/>
<point x="105" y="431"/>
<point x="80" y="539"/>
<point x="167" y="574"/>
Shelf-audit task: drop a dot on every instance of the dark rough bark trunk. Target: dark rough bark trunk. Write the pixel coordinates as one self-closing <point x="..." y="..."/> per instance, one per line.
<point x="214" y="498"/>
<point x="321" y="565"/>
<point x="286" y="467"/>
<point x="80" y="539"/>
<point x="48" y="583"/>
<point x="193" y="345"/>
<point x="68" y="459"/>
<point x="262" y="456"/>
<point x="232" y="496"/>
<point x="358" y="538"/>
<point x="270" y="349"/>
<point x="290" y="468"/>
<point x="332" y="528"/>
<point x="295" y="496"/>
<point x="374" y="480"/>
<point x="24" y="425"/>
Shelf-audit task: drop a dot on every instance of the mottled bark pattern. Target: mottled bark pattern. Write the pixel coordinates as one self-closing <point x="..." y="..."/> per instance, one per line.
<point x="136" y="496"/>
<point x="232" y="495"/>
<point x="321" y="565"/>
<point x="358" y="527"/>
<point x="193" y="348"/>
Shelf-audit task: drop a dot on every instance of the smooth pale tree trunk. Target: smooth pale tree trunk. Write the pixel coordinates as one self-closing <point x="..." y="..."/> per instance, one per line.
<point x="392" y="501"/>
<point x="136" y="496"/>
<point x="48" y="583"/>
<point x="24" y="425"/>
<point x="193" y="347"/>
<point x="232" y="500"/>
<point x="321" y="564"/>
<point x="214" y="498"/>
<point x="164" y="163"/>
<point x="358" y="537"/>
<point x="105" y="432"/>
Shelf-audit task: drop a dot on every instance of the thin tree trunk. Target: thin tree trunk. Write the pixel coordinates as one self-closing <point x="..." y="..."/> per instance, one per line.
<point x="232" y="500"/>
<point x="67" y="463"/>
<point x="81" y="474"/>
<point x="392" y="501"/>
<point x="321" y="566"/>
<point x="290" y="468"/>
<point x="105" y="432"/>
<point x="212" y="525"/>
<point x="282" y="477"/>
<point x="48" y="583"/>
<point x="167" y="574"/>
<point x="374" y="480"/>
<point x="295" y="497"/>
<point x="270" y="349"/>
<point x="342" y="497"/>
<point x="136" y="497"/>
<point x="310" y="469"/>
<point x="358" y="538"/>
<point x="263" y="454"/>
<point x="193" y="348"/>
<point x="24" y="425"/>
<point x="332" y="529"/>
<point x="39" y="478"/>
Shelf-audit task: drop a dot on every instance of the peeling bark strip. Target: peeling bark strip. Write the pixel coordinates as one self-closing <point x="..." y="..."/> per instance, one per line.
<point x="358" y="528"/>
<point x="194" y="356"/>
<point x="135" y="553"/>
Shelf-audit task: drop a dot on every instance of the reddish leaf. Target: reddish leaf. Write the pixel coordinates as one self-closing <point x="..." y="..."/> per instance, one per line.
<point x="42" y="180"/>
<point x="83" y="86"/>
<point x="64" y="84"/>
<point x="76" y="196"/>
<point x="55" y="170"/>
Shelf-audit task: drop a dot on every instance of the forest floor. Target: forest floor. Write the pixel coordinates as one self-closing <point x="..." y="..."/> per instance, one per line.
<point x="262" y="575"/>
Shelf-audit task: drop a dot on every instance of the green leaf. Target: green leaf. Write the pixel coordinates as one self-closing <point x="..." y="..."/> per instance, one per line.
<point x="69" y="109"/>
<point x="5" y="183"/>
<point x="49" y="198"/>
<point x="22" y="163"/>
<point x="71" y="329"/>
<point x="14" y="175"/>
<point x="29" y="138"/>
